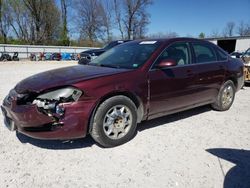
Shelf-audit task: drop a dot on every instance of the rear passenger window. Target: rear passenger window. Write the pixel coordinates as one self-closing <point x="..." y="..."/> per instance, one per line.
<point x="222" y="56"/>
<point x="204" y="53"/>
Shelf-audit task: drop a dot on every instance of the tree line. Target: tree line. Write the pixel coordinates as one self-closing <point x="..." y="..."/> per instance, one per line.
<point x="232" y="29"/>
<point x="54" y="22"/>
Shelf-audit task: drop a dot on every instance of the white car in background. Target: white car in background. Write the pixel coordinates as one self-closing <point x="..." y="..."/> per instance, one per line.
<point x="236" y="54"/>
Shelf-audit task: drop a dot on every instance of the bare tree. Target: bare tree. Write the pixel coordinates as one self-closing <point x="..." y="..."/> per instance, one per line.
<point x="139" y="30"/>
<point x="64" y="14"/>
<point x="35" y="8"/>
<point x="90" y="19"/>
<point x="107" y="14"/>
<point x="45" y="19"/>
<point x="118" y="18"/>
<point x="134" y="12"/>
<point x="51" y="24"/>
<point x="215" y="34"/>
<point x="5" y="20"/>
<point x="243" y="29"/>
<point x="229" y="29"/>
<point x="21" y="23"/>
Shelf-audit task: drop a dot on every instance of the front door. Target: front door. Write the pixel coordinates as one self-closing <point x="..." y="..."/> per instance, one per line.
<point x="172" y="88"/>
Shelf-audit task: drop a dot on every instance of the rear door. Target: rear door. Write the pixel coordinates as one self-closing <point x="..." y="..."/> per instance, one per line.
<point x="210" y="71"/>
<point x="172" y="88"/>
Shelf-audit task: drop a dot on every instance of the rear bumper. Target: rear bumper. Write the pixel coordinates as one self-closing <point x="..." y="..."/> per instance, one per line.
<point x="31" y="122"/>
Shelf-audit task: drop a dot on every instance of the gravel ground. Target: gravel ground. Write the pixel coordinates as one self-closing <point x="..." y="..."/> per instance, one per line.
<point x="196" y="148"/>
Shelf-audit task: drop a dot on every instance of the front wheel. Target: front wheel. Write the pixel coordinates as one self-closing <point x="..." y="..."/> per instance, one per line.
<point x="225" y="97"/>
<point x="114" y="122"/>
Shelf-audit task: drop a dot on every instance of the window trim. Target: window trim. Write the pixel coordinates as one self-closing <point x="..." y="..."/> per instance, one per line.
<point x="206" y="45"/>
<point x="217" y="50"/>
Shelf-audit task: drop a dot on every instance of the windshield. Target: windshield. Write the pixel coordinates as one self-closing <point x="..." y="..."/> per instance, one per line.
<point x="130" y="55"/>
<point x="110" y="45"/>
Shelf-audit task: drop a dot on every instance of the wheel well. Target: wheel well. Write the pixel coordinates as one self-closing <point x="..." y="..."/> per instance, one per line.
<point x="138" y="103"/>
<point x="234" y="80"/>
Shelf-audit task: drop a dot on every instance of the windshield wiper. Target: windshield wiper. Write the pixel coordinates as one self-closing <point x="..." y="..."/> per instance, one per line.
<point x="110" y="65"/>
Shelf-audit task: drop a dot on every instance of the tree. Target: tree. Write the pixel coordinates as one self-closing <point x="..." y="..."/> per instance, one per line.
<point x="215" y="34"/>
<point x="90" y="19"/>
<point x="5" y="20"/>
<point x="229" y="29"/>
<point x="135" y="16"/>
<point x="202" y="35"/>
<point x="243" y="29"/>
<point x="118" y="18"/>
<point x="64" y="33"/>
<point x="45" y="20"/>
<point x="140" y="24"/>
<point x="21" y="22"/>
<point x="51" y="23"/>
<point x="107" y="23"/>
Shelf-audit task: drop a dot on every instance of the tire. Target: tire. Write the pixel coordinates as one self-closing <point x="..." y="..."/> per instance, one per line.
<point x="83" y="61"/>
<point x="114" y="122"/>
<point x="225" y="97"/>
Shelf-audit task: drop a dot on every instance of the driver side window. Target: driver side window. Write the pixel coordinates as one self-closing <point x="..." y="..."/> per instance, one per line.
<point x="179" y="52"/>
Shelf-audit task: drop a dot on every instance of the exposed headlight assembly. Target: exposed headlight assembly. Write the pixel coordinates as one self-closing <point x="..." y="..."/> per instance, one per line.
<point x="51" y="102"/>
<point x="68" y="94"/>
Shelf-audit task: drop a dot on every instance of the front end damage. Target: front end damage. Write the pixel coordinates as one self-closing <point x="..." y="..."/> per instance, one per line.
<point x="55" y="114"/>
<point x="51" y="103"/>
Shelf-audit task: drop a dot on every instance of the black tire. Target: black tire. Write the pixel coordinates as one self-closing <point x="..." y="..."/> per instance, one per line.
<point x="83" y="61"/>
<point x="218" y="104"/>
<point x="98" y="131"/>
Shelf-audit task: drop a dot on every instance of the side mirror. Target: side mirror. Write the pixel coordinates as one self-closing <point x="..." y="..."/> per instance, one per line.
<point x="166" y="63"/>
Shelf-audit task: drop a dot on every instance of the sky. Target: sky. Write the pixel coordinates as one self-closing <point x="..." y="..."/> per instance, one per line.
<point x="191" y="17"/>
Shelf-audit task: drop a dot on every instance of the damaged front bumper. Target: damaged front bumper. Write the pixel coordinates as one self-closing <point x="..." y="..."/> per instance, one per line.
<point x="30" y="120"/>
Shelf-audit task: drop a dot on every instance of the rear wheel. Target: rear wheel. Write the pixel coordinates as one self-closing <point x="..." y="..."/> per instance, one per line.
<point x="114" y="121"/>
<point x="225" y="97"/>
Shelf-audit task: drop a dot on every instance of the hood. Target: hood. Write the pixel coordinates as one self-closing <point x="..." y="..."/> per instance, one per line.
<point x="62" y="77"/>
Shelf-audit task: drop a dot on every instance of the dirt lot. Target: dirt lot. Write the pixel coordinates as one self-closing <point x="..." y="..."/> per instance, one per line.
<point x="197" y="148"/>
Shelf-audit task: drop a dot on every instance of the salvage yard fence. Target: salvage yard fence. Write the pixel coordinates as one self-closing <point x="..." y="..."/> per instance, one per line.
<point x="24" y="51"/>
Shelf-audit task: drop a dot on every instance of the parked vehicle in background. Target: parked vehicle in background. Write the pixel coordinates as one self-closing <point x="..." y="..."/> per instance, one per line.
<point x="5" y="57"/>
<point x="47" y="56"/>
<point x="15" y="57"/>
<point x="236" y="55"/>
<point x="74" y="56"/>
<point x="246" y="56"/>
<point x="56" y="56"/>
<point x="32" y="57"/>
<point x="52" y="56"/>
<point x="66" y="56"/>
<point x="86" y="56"/>
<point x="133" y="82"/>
<point x="246" y="59"/>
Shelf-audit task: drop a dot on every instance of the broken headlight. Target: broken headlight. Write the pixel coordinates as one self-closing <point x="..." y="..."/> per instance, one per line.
<point x="51" y="102"/>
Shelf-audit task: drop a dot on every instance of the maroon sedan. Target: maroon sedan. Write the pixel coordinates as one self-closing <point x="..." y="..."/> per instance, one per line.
<point x="133" y="82"/>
